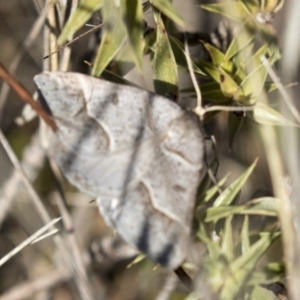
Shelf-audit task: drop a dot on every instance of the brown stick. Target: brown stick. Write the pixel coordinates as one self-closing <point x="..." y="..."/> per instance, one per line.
<point x="26" y="96"/>
<point x="184" y="278"/>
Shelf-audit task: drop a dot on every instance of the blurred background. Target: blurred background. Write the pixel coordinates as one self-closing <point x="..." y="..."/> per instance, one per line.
<point x="38" y="272"/>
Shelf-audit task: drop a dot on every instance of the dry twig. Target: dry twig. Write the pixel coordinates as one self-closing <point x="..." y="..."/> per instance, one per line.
<point x="26" y="97"/>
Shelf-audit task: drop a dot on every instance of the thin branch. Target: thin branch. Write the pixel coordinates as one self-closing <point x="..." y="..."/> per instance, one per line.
<point x="26" y="96"/>
<point x="33" y="195"/>
<point x="198" y="109"/>
<point x="32" y="161"/>
<point x="228" y="108"/>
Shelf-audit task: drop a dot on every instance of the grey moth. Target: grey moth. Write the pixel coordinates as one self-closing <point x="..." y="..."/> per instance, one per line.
<point x="137" y="153"/>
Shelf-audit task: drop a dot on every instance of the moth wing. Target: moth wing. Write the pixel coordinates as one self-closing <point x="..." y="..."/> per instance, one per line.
<point x="137" y="152"/>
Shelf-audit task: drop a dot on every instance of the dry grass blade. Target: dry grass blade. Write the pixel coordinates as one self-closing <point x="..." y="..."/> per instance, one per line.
<point x="28" y="241"/>
<point x="291" y="41"/>
<point x="227" y="108"/>
<point x="34" y="197"/>
<point x="198" y="109"/>
<point x="32" y="161"/>
<point x="67" y="219"/>
<point x="66" y="54"/>
<point x="44" y="236"/>
<point x="74" y="40"/>
<point x="70" y="261"/>
<point x="282" y="90"/>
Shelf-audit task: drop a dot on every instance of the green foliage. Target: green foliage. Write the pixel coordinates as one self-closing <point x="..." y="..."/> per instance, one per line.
<point x="164" y="65"/>
<point x="167" y="9"/>
<point x="232" y="258"/>
<point x="133" y="17"/>
<point x="113" y="36"/>
<point x="235" y="78"/>
<point x="231" y="192"/>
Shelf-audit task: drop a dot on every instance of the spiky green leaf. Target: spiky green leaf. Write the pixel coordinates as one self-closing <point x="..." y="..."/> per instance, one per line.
<point x="230" y="193"/>
<point x="234" y="10"/>
<point x="168" y="10"/>
<point x="264" y="114"/>
<point x="165" y="74"/>
<point x="133" y="19"/>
